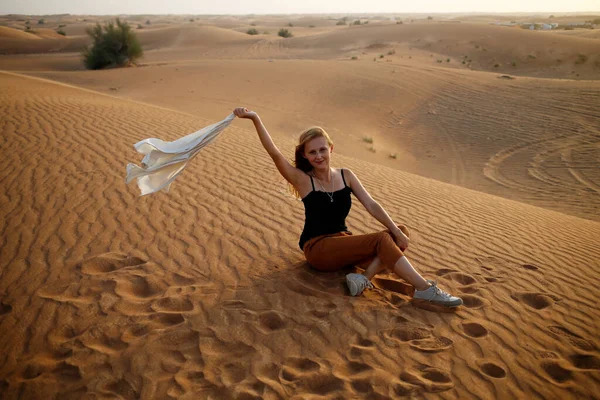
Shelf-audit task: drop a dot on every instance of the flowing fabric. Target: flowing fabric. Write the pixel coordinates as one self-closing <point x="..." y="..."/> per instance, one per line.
<point x="164" y="161"/>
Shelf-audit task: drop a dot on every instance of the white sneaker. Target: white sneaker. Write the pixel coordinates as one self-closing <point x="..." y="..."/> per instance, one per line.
<point x="357" y="283"/>
<point x="437" y="296"/>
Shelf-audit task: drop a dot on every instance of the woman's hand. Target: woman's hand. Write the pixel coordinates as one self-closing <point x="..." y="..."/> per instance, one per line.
<point x="401" y="240"/>
<point x="242" y="112"/>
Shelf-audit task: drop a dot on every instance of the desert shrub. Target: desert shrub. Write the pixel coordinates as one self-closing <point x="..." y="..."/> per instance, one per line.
<point x="357" y="22"/>
<point x="192" y="20"/>
<point x="290" y="24"/>
<point x="284" y="33"/>
<point x="368" y="139"/>
<point x="381" y="56"/>
<point x="341" y="23"/>
<point x="391" y="52"/>
<point x="252" y="31"/>
<point x="148" y="22"/>
<point x="447" y="60"/>
<point x="354" y="58"/>
<point x="41" y="22"/>
<point x="430" y="17"/>
<point x="514" y="64"/>
<point x="28" y="29"/>
<point x="112" y="46"/>
<point x="372" y="148"/>
<point x="393" y="155"/>
<point x="61" y="32"/>
<point x="252" y="24"/>
<point x="62" y="26"/>
<point x="399" y="23"/>
<point x="496" y="65"/>
<point x="140" y="26"/>
<point x="311" y="26"/>
<point x="531" y="56"/>
<point x="596" y="21"/>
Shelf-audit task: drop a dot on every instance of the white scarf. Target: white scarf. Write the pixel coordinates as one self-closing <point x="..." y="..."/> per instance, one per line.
<point x="163" y="161"/>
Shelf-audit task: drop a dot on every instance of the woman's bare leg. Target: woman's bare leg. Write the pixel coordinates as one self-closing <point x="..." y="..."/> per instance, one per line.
<point x="374" y="268"/>
<point x="406" y="271"/>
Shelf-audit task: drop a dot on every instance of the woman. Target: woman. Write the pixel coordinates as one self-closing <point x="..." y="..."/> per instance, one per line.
<point x="325" y="240"/>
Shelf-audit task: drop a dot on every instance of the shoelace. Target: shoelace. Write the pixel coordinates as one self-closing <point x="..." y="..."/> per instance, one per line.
<point x="438" y="291"/>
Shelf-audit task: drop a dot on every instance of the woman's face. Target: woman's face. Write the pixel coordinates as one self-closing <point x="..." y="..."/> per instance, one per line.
<point x="317" y="151"/>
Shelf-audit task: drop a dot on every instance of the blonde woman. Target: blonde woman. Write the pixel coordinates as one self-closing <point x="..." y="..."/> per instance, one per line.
<point x="325" y="240"/>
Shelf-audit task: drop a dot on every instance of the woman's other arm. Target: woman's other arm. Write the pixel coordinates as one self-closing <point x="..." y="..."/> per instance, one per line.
<point x="375" y="209"/>
<point x="288" y="171"/>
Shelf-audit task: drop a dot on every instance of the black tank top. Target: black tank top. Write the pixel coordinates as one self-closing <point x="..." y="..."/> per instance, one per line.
<point x="322" y="216"/>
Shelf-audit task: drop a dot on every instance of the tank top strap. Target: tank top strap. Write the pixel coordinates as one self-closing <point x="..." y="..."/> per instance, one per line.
<point x="312" y="182"/>
<point x="343" y="178"/>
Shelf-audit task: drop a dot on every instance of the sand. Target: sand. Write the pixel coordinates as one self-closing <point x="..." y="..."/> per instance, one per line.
<point x="202" y="292"/>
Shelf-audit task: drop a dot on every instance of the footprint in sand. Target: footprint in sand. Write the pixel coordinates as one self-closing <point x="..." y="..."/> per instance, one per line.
<point x="295" y="368"/>
<point x="361" y="346"/>
<point x="139" y="287"/>
<point x="572" y="338"/>
<point x="271" y="321"/>
<point x="492" y="370"/>
<point x="172" y="305"/>
<point x="474" y="329"/>
<point x="431" y="379"/>
<point x="556" y="371"/>
<point x="324" y="311"/>
<point x="108" y="262"/>
<point x="432" y="345"/>
<point x="474" y="302"/>
<point x="539" y="301"/>
<point x="234" y="372"/>
<point x="418" y="338"/>
<point x="5" y="309"/>
<point x="585" y="361"/>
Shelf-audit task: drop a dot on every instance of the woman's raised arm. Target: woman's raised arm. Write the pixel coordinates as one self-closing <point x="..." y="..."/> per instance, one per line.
<point x="292" y="174"/>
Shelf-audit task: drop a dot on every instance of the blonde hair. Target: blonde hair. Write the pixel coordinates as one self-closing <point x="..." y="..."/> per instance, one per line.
<point x="300" y="161"/>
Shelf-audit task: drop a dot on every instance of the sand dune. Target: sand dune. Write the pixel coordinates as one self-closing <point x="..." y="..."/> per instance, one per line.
<point x="203" y="293"/>
<point x="526" y="139"/>
<point x="200" y="292"/>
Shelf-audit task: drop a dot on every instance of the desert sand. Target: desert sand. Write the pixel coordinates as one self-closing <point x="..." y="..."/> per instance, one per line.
<point x="202" y="292"/>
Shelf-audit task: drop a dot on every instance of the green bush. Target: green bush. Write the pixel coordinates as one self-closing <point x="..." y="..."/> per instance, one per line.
<point x="252" y="31"/>
<point x="147" y="22"/>
<point x="112" y="46"/>
<point x="290" y="24"/>
<point x="41" y="22"/>
<point x="284" y="33"/>
<point x="61" y="32"/>
<point x="140" y="26"/>
<point x="341" y="22"/>
<point x="357" y="22"/>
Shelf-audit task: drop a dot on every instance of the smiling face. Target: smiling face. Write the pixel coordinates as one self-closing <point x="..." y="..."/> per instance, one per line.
<point x="317" y="151"/>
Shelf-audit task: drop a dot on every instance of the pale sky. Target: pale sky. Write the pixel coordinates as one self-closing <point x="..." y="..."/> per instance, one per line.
<point x="112" y="7"/>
